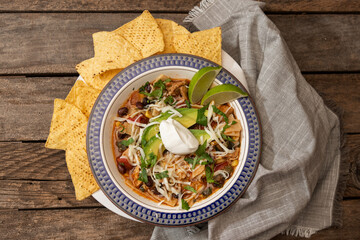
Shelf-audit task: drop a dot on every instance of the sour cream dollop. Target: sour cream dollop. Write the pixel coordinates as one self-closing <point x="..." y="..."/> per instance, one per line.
<point x="176" y="138"/>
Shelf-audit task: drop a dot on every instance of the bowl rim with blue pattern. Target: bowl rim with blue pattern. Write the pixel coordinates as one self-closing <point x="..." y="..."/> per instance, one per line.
<point x="103" y="165"/>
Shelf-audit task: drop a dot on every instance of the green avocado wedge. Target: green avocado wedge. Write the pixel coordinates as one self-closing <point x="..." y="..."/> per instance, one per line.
<point x="148" y="133"/>
<point x="155" y="146"/>
<point x="187" y="120"/>
<point x="200" y="135"/>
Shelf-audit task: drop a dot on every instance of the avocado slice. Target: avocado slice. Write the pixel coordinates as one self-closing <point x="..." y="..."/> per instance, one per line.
<point x="155" y="145"/>
<point x="198" y="133"/>
<point x="148" y="133"/>
<point x="187" y="120"/>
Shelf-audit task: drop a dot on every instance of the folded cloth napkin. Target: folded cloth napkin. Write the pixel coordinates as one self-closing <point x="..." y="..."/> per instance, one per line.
<point x="294" y="189"/>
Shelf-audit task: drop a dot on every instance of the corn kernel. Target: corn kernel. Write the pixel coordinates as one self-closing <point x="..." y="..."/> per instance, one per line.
<point x="117" y="124"/>
<point x="148" y="114"/>
<point x="235" y="163"/>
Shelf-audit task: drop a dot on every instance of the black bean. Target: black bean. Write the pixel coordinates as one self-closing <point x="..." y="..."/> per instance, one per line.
<point x="218" y="148"/>
<point x="155" y="191"/>
<point x="219" y="181"/>
<point x="228" y="169"/>
<point x="121" y="168"/>
<point x="207" y="192"/>
<point x="148" y="88"/>
<point x="175" y="195"/>
<point x="122" y="111"/>
<point x="121" y="146"/>
<point x="145" y="101"/>
<point x="139" y="105"/>
<point x="150" y="182"/>
<point x="121" y="135"/>
<point x="230" y="144"/>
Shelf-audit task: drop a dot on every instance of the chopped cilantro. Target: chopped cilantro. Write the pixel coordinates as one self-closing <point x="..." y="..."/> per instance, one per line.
<point x="207" y="157"/>
<point x="143" y="175"/>
<point x="209" y="174"/>
<point x="162" y="175"/>
<point x="196" y="162"/>
<point x="126" y="143"/>
<point x="189" y="160"/>
<point x="190" y="188"/>
<point x="169" y="100"/>
<point x="158" y="91"/>
<point x="167" y="80"/>
<point x="142" y="88"/>
<point x="218" y="111"/>
<point x="184" y="205"/>
<point x="201" y="149"/>
<point x="227" y="138"/>
<point x="160" y="84"/>
<point x="188" y="105"/>
<point x="142" y="162"/>
<point x="201" y="118"/>
<point x="151" y="161"/>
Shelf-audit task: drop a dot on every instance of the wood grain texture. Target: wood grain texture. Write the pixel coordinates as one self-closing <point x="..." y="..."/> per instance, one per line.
<point x="343" y="91"/>
<point x="70" y="224"/>
<point x="34" y="43"/>
<point x="32" y="161"/>
<point x="24" y="194"/>
<point x="349" y="230"/>
<point x="26" y="104"/>
<point x="103" y="224"/>
<point x="173" y="6"/>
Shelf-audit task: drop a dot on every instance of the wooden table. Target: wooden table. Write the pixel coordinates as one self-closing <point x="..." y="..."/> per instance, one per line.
<point x="42" y="41"/>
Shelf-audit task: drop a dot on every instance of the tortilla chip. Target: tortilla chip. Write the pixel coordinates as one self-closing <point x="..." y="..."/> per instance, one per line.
<point x="112" y="51"/>
<point x="206" y="44"/>
<point x="83" y="97"/>
<point x="79" y="169"/>
<point x="67" y="119"/>
<point x="144" y="33"/>
<point x="86" y="69"/>
<point x="99" y="81"/>
<point x="169" y="29"/>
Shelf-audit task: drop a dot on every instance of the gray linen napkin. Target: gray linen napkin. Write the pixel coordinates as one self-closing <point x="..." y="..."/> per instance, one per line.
<point x="294" y="189"/>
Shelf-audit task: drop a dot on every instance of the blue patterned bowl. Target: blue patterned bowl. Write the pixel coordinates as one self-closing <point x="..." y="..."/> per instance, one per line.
<point x="102" y="160"/>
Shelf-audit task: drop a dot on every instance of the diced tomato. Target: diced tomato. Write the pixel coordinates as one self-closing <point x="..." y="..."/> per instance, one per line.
<point x="124" y="161"/>
<point x="136" y="97"/>
<point x="141" y="119"/>
<point x="220" y="166"/>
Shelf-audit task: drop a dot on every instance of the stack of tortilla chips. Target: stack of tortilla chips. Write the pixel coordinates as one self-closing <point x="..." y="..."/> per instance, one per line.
<point x="142" y="37"/>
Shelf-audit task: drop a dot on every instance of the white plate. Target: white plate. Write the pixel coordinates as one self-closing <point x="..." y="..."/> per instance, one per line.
<point x="229" y="64"/>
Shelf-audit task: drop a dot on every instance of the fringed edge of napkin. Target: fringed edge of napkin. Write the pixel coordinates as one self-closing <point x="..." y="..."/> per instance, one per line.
<point x="197" y="10"/>
<point x="345" y="160"/>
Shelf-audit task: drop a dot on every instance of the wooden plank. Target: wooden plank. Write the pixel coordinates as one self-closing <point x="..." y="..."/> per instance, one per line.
<point x="24" y="98"/>
<point x="342" y="90"/>
<point x="34" y="177"/>
<point x="349" y="230"/>
<point x="56" y="42"/>
<point x="352" y="153"/>
<point x="103" y="224"/>
<point x="70" y="224"/>
<point x="31" y="161"/>
<point x="174" y="6"/>
<point x="24" y="194"/>
<point x="26" y="105"/>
